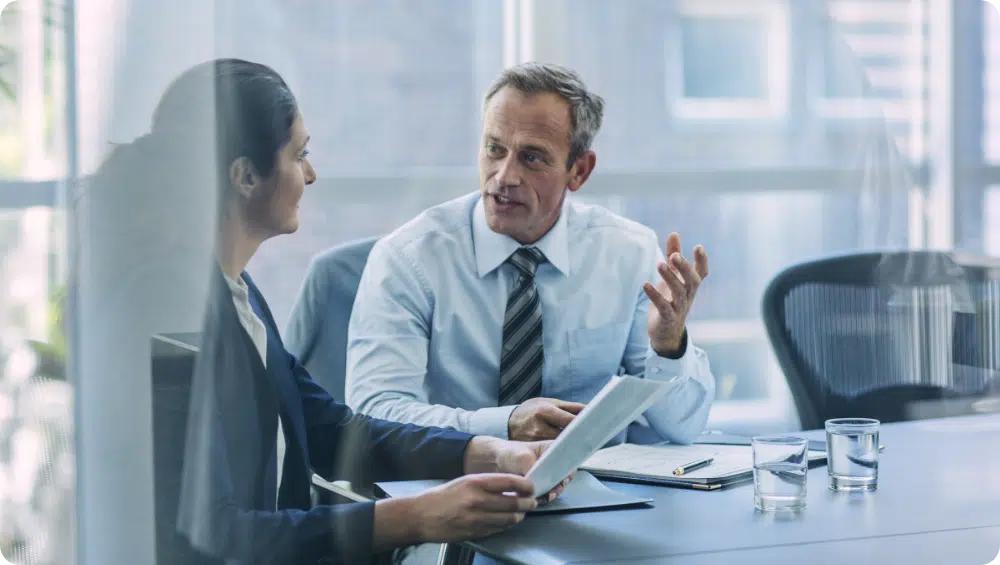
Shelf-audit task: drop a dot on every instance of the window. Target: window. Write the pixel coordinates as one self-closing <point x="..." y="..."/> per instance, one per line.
<point x="709" y="48"/>
<point x="399" y="99"/>
<point x="991" y="80"/>
<point x="759" y="197"/>
<point x="750" y="236"/>
<point x="36" y="401"/>
<point x="393" y="86"/>
<point x="871" y="65"/>
<point x="992" y="222"/>
<point x="728" y="60"/>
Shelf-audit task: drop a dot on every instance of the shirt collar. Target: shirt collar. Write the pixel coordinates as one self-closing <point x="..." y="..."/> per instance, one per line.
<point x="492" y="248"/>
<point x="238" y="287"/>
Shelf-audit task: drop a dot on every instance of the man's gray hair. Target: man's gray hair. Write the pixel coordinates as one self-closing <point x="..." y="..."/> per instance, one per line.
<point x="586" y="109"/>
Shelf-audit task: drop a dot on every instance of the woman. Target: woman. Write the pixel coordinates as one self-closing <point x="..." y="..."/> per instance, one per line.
<point x="247" y="388"/>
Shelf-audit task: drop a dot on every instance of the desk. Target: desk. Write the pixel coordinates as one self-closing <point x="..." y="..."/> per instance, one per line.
<point x="938" y="501"/>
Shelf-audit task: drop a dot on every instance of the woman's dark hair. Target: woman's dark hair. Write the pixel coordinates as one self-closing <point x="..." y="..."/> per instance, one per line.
<point x="249" y="104"/>
<point x="159" y="198"/>
<point x="209" y="116"/>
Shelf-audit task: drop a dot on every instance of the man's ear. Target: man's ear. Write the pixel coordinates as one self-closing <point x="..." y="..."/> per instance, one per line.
<point x="243" y="177"/>
<point x="580" y="171"/>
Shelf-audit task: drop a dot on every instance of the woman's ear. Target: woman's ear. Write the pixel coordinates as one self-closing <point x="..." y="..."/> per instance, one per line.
<point x="243" y="177"/>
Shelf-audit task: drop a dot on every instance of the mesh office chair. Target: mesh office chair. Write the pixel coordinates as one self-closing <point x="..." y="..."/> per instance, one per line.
<point x="316" y="332"/>
<point x="896" y="335"/>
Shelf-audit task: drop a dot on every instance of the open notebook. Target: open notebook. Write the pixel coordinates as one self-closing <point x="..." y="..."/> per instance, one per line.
<point x="656" y="463"/>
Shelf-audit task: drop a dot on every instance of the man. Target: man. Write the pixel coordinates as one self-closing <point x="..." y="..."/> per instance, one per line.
<point x="502" y="312"/>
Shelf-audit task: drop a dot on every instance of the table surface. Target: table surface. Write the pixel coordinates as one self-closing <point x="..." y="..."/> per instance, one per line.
<point x="938" y="501"/>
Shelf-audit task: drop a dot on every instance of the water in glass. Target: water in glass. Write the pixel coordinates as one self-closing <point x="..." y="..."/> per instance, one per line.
<point x="780" y="465"/>
<point x="779" y="486"/>
<point x="852" y="454"/>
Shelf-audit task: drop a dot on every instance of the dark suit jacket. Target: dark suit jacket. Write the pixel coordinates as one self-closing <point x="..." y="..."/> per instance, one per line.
<point x="227" y="506"/>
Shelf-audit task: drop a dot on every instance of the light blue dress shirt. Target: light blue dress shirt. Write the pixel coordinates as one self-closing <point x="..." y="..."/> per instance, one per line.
<point x="426" y="329"/>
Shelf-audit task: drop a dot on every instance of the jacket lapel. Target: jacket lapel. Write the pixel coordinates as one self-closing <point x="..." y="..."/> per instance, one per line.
<point x="255" y="409"/>
<point x="282" y="382"/>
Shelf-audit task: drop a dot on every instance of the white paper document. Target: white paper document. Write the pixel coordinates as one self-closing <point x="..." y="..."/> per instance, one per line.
<point x="660" y="461"/>
<point x="616" y="406"/>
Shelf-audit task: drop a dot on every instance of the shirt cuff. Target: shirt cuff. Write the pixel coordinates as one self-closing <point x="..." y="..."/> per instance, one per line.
<point x="491" y="421"/>
<point x="664" y="368"/>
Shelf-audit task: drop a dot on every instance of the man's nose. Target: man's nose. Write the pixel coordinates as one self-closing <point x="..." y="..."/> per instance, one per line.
<point x="509" y="173"/>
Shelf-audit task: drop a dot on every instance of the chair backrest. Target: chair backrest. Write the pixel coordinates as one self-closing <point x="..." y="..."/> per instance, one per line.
<point x="884" y="334"/>
<point x="317" y="328"/>
<point x="173" y="359"/>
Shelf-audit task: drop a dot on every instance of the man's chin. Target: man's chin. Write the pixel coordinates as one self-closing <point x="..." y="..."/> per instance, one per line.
<point x="501" y="225"/>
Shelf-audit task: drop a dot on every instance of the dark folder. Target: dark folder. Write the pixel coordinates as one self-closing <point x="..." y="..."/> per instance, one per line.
<point x="584" y="493"/>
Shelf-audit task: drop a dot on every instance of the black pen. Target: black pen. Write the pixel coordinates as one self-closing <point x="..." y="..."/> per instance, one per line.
<point x="693" y="466"/>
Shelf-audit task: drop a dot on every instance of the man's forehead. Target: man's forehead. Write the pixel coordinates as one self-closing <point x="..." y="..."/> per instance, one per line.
<point x="525" y="125"/>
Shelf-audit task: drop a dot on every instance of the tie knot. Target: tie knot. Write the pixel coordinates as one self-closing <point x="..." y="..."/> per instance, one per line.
<point x="527" y="259"/>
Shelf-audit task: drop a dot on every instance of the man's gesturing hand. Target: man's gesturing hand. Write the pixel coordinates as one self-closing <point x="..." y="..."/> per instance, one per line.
<point x="673" y="296"/>
<point x="541" y="418"/>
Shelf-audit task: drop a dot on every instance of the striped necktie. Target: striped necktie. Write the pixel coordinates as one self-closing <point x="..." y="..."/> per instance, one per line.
<point x="521" y="355"/>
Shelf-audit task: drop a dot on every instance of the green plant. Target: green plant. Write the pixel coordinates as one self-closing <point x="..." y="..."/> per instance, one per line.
<point x="52" y="354"/>
<point x="54" y="15"/>
<point x="7" y="58"/>
<point x="7" y="55"/>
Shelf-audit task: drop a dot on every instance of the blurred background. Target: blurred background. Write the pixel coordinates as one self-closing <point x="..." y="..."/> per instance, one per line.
<point x="770" y="131"/>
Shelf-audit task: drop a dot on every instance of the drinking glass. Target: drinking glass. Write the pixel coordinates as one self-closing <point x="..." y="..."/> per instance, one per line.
<point x="780" y="464"/>
<point x="852" y="453"/>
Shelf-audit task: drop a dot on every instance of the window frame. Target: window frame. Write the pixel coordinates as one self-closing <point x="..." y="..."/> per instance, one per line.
<point x="777" y="17"/>
<point x="20" y="194"/>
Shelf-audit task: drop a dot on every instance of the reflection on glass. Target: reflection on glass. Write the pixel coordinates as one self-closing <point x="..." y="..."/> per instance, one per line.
<point x="394" y="88"/>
